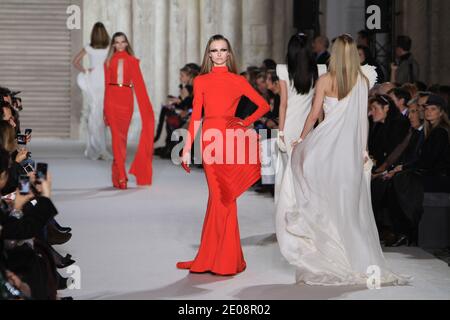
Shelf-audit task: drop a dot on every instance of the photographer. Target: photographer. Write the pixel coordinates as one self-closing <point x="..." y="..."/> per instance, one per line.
<point x="23" y="219"/>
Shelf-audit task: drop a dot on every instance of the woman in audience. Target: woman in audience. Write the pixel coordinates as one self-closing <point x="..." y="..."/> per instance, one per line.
<point x="389" y="128"/>
<point x="407" y="153"/>
<point x="187" y="76"/>
<point x="429" y="174"/>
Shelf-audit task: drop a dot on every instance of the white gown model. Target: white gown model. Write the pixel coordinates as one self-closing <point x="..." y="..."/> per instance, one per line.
<point x="298" y="108"/>
<point x="331" y="235"/>
<point x="93" y="86"/>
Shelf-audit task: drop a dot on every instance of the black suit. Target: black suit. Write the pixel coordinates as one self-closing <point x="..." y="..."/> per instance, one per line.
<point x="323" y="58"/>
<point x="385" y="137"/>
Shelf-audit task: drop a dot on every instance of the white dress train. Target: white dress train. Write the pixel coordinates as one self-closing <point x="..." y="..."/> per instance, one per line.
<point x="93" y="86"/>
<point x="330" y="235"/>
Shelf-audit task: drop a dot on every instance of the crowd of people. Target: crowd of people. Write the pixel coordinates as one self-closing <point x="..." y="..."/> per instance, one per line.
<point x="409" y="138"/>
<point x="28" y="230"/>
<point x="409" y="143"/>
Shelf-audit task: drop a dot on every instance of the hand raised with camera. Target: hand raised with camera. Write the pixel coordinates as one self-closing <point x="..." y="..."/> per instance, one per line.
<point x="21" y="155"/>
<point x="21" y="200"/>
<point x="45" y="186"/>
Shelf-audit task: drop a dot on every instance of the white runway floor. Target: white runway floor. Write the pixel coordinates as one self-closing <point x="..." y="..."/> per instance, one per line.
<point x="127" y="243"/>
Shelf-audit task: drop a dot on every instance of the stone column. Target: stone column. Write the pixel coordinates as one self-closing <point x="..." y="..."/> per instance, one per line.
<point x="257" y="31"/>
<point x="193" y="45"/>
<point x="231" y="24"/>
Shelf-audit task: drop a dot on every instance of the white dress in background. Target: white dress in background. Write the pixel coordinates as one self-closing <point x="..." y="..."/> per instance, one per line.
<point x="331" y="235"/>
<point x="298" y="110"/>
<point x="93" y="86"/>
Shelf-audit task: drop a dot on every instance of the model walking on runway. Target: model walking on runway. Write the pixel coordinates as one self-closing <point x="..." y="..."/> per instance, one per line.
<point x="217" y="91"/>
<point x="333" y="239"/>
<point x="123" y="77"/>
<point x="92" y="82"/>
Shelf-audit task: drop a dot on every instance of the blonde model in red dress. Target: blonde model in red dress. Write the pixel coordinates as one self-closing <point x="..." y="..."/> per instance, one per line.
<point x="123" y="79"/>
<point x="218" y="93"/>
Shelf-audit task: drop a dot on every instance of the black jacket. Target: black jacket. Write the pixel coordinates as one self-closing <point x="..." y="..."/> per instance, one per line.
<point x="435" y="156"/>
<point x="385" y="137"/>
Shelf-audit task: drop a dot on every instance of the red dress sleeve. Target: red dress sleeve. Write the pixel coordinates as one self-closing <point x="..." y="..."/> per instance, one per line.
<point x="256" y="98"/>
<point x="194" y="124"/>
<point x="139" y="86"/>
<point x="106" y="94"/>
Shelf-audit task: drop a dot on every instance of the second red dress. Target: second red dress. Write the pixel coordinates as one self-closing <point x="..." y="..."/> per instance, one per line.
<point x="219" y="92"/>
<point x="123" y="79"/>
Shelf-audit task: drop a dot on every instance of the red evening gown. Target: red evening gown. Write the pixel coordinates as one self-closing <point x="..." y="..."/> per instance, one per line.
<point x="123" y="77"/>
<point x="219" y="92"/>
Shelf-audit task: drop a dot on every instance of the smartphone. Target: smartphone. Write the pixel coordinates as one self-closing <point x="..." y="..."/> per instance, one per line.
<point x="41" y="171"/>
<point x="21" y="139"/>
<point x="28" y="131"/>
<point x="24" y="185"/>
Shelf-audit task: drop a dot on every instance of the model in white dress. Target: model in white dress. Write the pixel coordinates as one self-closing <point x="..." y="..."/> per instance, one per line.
<point x="298" y="108"/>
<point x="331" y="236"/>
<point x="92" y="84"/>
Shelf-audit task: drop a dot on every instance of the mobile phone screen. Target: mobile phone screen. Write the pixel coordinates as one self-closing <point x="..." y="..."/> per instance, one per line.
<point x="24" y="185"/>
<point x="41" y="171"/>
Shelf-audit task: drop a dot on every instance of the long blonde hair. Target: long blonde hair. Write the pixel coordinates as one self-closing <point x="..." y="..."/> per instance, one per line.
<point x="112" y="50"/>
<point x="443" y="123"/>
<point x="207" y="63"/>
<point x="345" y="65"/>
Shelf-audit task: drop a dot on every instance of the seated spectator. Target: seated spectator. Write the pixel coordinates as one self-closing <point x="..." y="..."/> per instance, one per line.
<point x="429" y="174"/>
<point x="401" y="98"/>
<point x="187" y="75"/>
<point x="273" y="85"/>
<point x="407" y="153"/>
<point x="389" y="129"/>
<point x="411" y="88"/>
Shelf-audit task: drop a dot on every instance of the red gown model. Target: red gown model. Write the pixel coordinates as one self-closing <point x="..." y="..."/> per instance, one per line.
<point x="219" y="93"/>
<point x="123" y="77"/>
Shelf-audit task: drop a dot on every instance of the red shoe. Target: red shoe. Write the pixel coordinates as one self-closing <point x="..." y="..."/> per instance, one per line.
<point x="123" y="184"/>
<point x="184" y="265"/>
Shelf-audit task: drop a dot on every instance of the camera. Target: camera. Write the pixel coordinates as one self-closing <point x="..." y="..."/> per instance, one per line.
<point x="41" y="171"/>
<point x="21" y="139"/>
<point x="24" y="185"/>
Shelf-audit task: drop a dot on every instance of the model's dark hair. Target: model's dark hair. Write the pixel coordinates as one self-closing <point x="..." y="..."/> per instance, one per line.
<point x="385" y="100"/>
<point x="301" y="65"/>
<point x="99" y="36"/>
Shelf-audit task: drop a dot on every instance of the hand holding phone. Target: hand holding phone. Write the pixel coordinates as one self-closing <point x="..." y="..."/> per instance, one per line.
<point x="24" y="185"/>
<point x="41" y="172"/>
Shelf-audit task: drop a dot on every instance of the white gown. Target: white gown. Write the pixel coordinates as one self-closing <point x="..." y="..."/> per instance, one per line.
<point x="298" y="108"/>
<point x="331" y="235"/>
<point x="93" y="86"/>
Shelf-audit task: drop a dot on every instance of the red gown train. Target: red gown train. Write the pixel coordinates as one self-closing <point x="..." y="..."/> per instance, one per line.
<point x="123" y="77"/>
<point x="219" y="93"/>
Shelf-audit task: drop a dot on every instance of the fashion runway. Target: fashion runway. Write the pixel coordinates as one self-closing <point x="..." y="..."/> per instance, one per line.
<point x="126" y="243"/>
